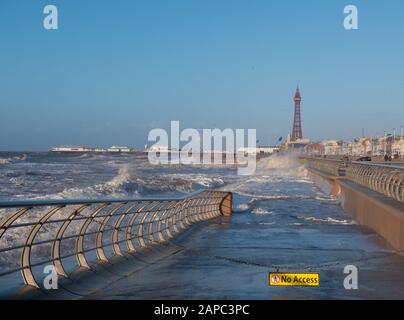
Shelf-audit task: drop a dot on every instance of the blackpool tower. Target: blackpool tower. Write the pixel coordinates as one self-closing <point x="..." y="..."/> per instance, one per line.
<point x="297" y="123"/>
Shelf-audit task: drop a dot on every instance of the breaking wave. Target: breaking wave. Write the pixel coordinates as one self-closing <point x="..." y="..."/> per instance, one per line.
<point x="129" y="183"/>
<point x="22" y="157"/>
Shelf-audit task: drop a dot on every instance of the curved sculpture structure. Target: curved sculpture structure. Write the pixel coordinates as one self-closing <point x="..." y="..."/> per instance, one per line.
<point x="123" y="225"/>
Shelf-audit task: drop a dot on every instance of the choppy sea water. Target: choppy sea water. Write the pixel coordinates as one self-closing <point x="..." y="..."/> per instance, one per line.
<point x="66" y="176"/>
<point x="42" y="176"/>
<point x="289" y="210"/>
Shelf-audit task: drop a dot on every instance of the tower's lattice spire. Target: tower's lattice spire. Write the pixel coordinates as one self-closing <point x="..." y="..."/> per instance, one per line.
<point x="297" y="123"/>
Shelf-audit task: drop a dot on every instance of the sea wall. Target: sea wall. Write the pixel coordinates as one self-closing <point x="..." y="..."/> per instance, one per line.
<point x="369" y="208"/>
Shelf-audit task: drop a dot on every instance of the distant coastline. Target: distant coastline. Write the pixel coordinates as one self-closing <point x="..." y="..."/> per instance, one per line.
<point x="84" y="149"/>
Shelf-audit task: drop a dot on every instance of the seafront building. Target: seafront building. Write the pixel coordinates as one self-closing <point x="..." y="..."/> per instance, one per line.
<point x="398" y="147"/>
<point x="365" y="146"/>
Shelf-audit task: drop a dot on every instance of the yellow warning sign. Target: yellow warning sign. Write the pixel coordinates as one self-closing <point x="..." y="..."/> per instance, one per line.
<point x="294" y="279"/>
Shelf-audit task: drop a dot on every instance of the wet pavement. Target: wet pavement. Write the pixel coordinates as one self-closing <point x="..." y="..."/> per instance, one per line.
<point x="230" y="258"/>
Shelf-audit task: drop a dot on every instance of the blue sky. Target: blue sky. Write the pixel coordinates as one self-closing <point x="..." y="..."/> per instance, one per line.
<point x="116" y="69"/>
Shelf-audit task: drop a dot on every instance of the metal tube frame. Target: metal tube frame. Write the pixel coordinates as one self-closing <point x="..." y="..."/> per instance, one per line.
<point x="149" y="220"/>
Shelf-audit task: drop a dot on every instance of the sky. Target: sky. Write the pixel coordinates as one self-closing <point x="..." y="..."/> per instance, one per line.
<point x="114" y="70"/>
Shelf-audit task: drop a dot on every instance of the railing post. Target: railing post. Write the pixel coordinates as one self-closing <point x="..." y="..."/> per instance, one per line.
<point x="226" y="205"/>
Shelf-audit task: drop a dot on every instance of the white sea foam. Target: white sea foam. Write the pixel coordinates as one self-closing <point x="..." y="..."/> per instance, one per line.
<point x="201" y="179"/>
<point x="241" y="207"/>
<point x="326" y="198"/>
<point x="274" y="197"/>
<point x="328" y="220"/>
<point x="288" y="163"/>
<point x="128" y="182"/>
<point x="304" y="181"/>
<point x="261" y="211"/>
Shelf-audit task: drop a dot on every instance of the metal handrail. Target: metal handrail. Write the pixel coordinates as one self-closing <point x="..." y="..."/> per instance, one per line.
<point x="331" y="166"/>
<point x="385" y="179"/>
<point x="68" y="237"/>
<point x="379" y="165"/>
<point x="137" y="222"/>
<point x="380" y="178"/>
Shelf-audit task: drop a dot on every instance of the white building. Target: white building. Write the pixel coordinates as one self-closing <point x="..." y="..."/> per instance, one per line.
<point x="361" y="147"/>
<point x="377" y="148"/>
<point x="386" y="144"/>
<point x="331" y="147"/>
<point x="397" y="148"/>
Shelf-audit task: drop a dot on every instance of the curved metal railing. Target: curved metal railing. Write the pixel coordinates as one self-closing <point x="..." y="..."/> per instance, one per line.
<point x="48" y="232"/>
<point x="385" y="179"/>
<point x="331" y="166"/>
